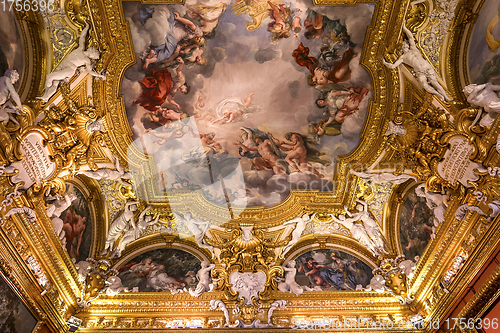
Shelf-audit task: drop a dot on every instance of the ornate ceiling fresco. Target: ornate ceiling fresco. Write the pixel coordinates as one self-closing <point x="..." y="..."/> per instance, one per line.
<point x="218" y="165"/>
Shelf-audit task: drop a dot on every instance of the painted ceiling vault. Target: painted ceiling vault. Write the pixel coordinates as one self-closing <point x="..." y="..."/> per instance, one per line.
<point x="231" y="164"/>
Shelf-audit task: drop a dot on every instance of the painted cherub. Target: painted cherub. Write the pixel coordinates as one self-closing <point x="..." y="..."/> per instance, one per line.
<point x="283" y="19"/>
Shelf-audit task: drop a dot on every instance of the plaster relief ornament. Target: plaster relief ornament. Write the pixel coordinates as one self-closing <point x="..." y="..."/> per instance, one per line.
<point x="28" y="212"/>
<point x="197" y="227"/>
<point x="55" y="209"/>
<point x="371" y="226"/>
<point x="247" y="285"/>
<point x="118" y="175"/>
<point x="301" y="223"/>
<point x="120" y="224"/>
<point x="486" y="97"/>
<point x="134" y="233"/>
<point x="395" y="129"/>
<point x="422" y="70"/>
<point x="83" y="268"/>
<point x="393" y="275"/>
<point x="358" y="232"/>
<point x="435" y="201"/>
<point x="289" y="284"/>
<point x="216" y="304"/>
<point x="377" y="283"/>
<point x="203" y="277"/>
<point x="75" y="131"/>
<point x="69" y="66"/>
<point x="280" y="304"/>
<point x="384" y="177"/>
<point x="96" y="278"/>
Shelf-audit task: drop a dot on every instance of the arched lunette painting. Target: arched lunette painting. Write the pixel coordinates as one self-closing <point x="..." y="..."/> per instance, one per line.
<point x="329" y="269"/>
<point x="161" y="270"/>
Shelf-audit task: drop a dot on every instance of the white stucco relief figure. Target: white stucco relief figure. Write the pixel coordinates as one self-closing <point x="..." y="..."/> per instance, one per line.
<point x="371" y="226"/>
<point x="486" y="97"/>
<point x="55" y="209"/>
<point x="118" y="175"/>
<point x="422" y="69"/>
<point x="70" y="64"/>
<point x="215" y="304"/>
<point x="436" y="202"/>
<point x="8" y="93"/>
<point x="197" y="227"/>
<point x="358" y="231"/>
<point x="301" y="223"/>
<point x="384" y="177"/>
<point x="132" y="234"/>
<point x="289" y="284"/>
<point x="203" y="277"/>
<point x="120" y="224"/>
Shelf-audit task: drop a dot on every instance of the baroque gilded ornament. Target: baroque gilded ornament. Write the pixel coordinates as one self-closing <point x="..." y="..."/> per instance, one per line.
<point x="258" y="255"/>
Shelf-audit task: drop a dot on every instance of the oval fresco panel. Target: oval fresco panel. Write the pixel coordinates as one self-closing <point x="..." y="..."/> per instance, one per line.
<point x="416" y="221"/>
<point x="162" y="270"/>
<point x="246" y="111"/>
<point x="77" y="225"/>
<point x="484" y="48"/>
<point x="330" y="269"/>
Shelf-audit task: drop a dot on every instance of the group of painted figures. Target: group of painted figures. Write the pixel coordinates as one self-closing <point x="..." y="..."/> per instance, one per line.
<point x="184" y="44"/>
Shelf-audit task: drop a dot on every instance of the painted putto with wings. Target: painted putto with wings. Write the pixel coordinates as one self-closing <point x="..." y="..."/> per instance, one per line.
<point x="283" y="18"/>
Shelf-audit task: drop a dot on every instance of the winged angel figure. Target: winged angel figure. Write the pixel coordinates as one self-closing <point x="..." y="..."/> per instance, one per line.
<point x="283" y="17"/>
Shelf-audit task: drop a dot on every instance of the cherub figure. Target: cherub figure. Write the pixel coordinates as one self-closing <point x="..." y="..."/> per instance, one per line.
<point x="297" y="232"/>
<point x="299" y="150"/>
<point x="289" y="285"/>
<point x="228" y="116"/>
<point x="69" y="65"/>
<point x="283" y="19"/>
<point x="8" y="92"/>
<point x="116" y="175"/>
<point x="342" y="103"/>
<point x="203" y="277"/>
<point x="423" y="71"/>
